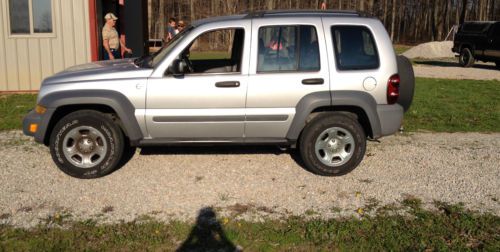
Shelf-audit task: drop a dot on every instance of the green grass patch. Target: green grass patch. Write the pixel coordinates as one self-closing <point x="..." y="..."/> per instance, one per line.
<point x="209" y="55"/>
<point x="448" y="228"/>
<point x="401" y="48"/>
<point x="13" y="108"/>
<point x="454" y="106"/>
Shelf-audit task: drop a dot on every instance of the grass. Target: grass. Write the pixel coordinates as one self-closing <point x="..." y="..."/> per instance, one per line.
<point x="209" y="55"/>
<point x="439" y="105"/>
<point x="454" y="106"/>
<point x="13" y="108"/>
<point x="401" y="48"/>
<point x="448" y="228"/>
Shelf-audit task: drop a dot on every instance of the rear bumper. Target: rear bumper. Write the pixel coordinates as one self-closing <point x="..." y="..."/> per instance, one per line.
<point x="391" y="118"/>
<point x="41" y="120"/>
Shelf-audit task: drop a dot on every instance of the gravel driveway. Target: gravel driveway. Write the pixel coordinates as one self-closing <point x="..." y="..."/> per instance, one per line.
<point x="174" y="183"/>
<point x="447" y="69"/>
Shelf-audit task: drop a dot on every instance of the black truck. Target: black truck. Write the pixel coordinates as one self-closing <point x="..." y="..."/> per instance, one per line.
<point x="478" y="41"/>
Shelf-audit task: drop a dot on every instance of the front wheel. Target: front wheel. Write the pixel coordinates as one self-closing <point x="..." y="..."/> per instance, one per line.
<point x="86" y="144"/>
<point x="332" y="144"/>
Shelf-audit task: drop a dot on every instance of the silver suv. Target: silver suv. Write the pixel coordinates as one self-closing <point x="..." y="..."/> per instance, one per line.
<point x="322" y="82"/>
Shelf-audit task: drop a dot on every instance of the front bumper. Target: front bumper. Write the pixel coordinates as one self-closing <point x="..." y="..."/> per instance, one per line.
<point x="41" y="120"/>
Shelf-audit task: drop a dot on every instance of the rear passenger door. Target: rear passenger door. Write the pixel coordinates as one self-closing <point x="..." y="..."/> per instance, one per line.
<point x="493" y="49"/>
<point x="288" y="62"/>
<point x="356" y="65"/>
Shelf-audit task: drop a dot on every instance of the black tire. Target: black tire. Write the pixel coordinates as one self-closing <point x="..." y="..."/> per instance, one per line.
<point x="316" y="128"/>
<point x="407" y="84"/>
<point x="466" y="58"/>
<point x="80" y="134"/>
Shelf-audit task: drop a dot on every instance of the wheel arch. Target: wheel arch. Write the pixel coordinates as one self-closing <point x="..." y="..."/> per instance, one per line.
<point x="362" y="104"/>
<point x="110" y="102"/>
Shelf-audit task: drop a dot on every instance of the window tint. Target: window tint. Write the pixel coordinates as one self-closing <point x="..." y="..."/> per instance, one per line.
<point x="355" y="48"/>
<point x="288" y="48"/>
<point x="19" y="16"/>
<point x="496" y="30"/>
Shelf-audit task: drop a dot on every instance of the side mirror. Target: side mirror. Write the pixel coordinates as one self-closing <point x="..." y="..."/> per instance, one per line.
<point x="177" y="68"/>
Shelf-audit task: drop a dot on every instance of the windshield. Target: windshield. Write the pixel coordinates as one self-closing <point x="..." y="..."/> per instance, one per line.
<point x="158" y="57"/>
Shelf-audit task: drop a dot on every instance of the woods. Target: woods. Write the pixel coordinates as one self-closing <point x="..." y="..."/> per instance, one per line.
<point x="407" y="21"/>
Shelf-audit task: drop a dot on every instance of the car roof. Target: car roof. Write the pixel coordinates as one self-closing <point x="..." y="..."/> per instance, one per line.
<point x="283" y="14"/>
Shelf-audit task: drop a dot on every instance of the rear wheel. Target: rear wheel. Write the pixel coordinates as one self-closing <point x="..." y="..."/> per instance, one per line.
<point x="466" y="58"/>
<point x="332" y="144"/>
<point x="86" y="144"/>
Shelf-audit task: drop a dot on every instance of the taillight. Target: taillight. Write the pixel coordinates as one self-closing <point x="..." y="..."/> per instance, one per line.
<point x="393" y="89"/>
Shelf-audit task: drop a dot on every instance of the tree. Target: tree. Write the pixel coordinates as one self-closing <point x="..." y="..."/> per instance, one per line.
<point x="393" y="19"/>
<point x="464" y="11"/>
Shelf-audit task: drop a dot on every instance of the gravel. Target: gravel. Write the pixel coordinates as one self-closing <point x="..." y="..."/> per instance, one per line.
<point x="451" y="70"/>
<point x="263" y="182"/>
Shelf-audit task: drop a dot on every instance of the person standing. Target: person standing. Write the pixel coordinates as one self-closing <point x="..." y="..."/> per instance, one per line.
<point x="110" y="39"/>
<point x="171" y="27"/>
<point x="323" y="5"/>
<point x="181" y="25"/>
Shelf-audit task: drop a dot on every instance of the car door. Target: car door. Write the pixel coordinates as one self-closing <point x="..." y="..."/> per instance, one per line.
<point x="207" y="104"/>
<point x="493" y="48"/>
<point x="363" y="59"/>
<point x="285" y="66"/>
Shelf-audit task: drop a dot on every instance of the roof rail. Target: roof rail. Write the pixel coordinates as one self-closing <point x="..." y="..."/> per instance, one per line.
<point x="256" y="14"/>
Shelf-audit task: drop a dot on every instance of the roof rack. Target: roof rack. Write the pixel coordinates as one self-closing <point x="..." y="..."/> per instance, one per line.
<point x="257" y="14"/>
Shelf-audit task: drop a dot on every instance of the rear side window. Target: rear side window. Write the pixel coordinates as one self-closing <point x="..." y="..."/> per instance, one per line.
<point x="355" y="48"/>
<point x="496" y="31"/>
<point x="288" y="48"/>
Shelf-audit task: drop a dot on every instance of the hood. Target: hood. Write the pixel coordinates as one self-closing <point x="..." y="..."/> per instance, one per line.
<point x="100" y="70"/>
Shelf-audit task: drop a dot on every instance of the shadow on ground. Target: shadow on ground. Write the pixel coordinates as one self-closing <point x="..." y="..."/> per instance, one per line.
<point x="225" y="150"/>
<point x="207" y="234"/>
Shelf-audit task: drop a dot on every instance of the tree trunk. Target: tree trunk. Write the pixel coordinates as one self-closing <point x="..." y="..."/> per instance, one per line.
<point x="393" y="20"/>
<point x="370" y="6"/>
<point x="385" y="13"/>
<point x="464" y="11"/>
<point x="361" y="5"/>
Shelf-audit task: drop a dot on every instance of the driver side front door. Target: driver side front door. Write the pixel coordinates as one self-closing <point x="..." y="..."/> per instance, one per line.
<point x="207" y="104"/>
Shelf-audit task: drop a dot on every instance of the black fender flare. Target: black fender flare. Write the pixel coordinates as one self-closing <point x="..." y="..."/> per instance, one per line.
<point x="316" y="100"/>
<point x="113" y="99"/>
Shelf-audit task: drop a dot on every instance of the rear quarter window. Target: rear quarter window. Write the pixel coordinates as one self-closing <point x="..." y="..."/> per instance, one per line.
<point x="355" y="48"/>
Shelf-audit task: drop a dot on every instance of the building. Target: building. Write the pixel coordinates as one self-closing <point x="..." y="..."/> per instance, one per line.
<point x="39" y="38"/>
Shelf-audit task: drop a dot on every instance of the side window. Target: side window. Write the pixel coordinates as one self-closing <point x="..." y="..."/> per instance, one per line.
<point x="218" y="51"/>
<point x="355" y="48"/>
<point x="288" y="48"/>
<point x="496" y="31"/>
<point x="22" y="12"/>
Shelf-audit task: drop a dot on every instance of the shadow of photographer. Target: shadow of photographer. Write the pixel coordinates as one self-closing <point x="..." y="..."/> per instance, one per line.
<point x="207" y="234"/>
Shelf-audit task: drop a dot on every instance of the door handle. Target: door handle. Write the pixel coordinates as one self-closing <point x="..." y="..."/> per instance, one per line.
<point x="227" y="84"/>
<point x="316" y="81"/>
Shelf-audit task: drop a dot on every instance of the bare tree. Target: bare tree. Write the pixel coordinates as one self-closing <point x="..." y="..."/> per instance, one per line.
<point x="406" y="20"/>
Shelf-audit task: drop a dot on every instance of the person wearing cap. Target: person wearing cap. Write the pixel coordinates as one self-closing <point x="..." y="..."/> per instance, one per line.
<point x="111" y="40"/>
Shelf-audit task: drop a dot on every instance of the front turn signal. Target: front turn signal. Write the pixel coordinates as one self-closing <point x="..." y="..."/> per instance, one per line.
<point x="39" y="109"/>
<point x="33" y="127"/>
